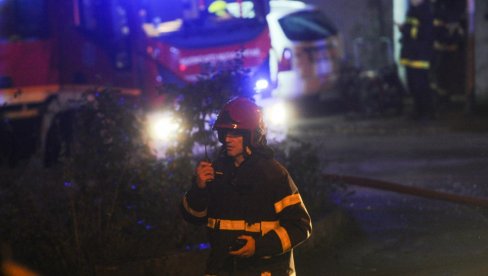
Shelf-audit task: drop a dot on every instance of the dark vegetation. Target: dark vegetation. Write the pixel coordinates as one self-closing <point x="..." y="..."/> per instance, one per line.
<point x="108" y="200"/>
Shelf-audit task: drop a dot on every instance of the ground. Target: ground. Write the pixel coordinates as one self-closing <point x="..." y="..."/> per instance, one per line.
<point x="394" y="233"/>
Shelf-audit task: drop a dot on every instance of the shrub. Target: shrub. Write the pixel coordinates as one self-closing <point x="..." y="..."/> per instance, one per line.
<point x="111" y="200"/>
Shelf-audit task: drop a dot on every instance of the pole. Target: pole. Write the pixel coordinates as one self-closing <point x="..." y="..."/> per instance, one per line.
<point x="470" y="57"/>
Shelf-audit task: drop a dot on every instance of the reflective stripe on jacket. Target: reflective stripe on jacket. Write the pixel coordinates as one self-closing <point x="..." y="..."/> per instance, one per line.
<point x="417" y="37"/>
<point x="258" y="199"/>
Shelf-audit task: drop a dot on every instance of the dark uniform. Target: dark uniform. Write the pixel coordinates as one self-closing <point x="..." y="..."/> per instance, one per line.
<point x="448" y="64"/>
<point x="416" y="54"/>
<point x="259" y="199"/>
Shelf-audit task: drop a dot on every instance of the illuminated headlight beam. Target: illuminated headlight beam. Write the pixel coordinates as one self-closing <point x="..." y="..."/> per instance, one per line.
<point x="261" y="84"/>
<point x="276" y="114"/>
<point x="163" y="126"/>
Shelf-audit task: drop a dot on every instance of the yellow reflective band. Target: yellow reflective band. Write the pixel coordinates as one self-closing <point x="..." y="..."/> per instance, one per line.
<point x="438" y="22"/>
<point x="241" y="225"/>
<point x="267" y="226"/>
<point x="414" y="32"/>
<point x="417" y="64"/>
<point x="284" y="238"/>
<point x="412" y="20"/>
<point x="287" y="201"/>
<point x="232" y="224"/>
<point x="198" y="214"/>
<point x="414" y="29"/>
<point x="445" y="47"/>
<point x="217" y="7"/>
<point x="211" y="222"/>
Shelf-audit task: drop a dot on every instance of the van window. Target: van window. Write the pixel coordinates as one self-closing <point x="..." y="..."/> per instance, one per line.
<point x="307" y="25"/>
<point x="172" y="17"/>
<point x="189" y="24"/>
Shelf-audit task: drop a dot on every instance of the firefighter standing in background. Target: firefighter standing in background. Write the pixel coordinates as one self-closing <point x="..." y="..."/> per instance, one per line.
<point x="248" y="201"/>
<point x="448" y="64"/>
<point x="416" y="53"/>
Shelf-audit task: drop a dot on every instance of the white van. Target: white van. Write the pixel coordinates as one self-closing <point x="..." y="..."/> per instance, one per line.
<point x="307" y="47"/>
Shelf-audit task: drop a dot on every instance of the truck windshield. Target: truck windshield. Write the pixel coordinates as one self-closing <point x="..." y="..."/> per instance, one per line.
<point x="23" y="19"/>
<point x="177" y="17"/>
<point x="307" y="25"/>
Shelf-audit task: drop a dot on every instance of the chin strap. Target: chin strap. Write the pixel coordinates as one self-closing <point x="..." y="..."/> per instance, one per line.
<point x="248" y="150"/>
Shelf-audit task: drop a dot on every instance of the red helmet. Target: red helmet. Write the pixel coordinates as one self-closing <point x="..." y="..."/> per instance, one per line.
<point x="242" y="114"/>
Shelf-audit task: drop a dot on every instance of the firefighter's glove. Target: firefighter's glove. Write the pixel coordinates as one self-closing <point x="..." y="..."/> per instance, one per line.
<point x="204" y="174"/>
<point x="248" y="249"/>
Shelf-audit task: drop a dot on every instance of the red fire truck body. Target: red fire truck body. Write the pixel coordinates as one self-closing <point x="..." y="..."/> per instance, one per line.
<point x="53" y="51"/>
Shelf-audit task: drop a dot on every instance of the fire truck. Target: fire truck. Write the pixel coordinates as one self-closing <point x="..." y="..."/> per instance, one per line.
<point x="53" y="51"/>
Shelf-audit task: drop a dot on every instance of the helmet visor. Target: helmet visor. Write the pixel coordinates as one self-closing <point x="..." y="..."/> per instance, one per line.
<point x="222" y="133"/>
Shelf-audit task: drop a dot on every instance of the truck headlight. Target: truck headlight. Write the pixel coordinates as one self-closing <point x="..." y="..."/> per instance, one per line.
<point x="276" y="114"/>
<point x="261" y="85"/>
<point x="163" y="126"/>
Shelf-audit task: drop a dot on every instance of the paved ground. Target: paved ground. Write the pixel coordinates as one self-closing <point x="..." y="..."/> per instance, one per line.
<point x="396" y="234"/>
<point x="402" y="234"/>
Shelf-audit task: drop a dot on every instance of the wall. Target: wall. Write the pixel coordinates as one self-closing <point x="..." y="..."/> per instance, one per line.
<point x="375" y="18"/>
<point x="481" y="52"/>
<point x="358" y="18"/>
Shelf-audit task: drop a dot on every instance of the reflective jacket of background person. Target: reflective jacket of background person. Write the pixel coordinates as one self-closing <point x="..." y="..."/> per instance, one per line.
<point x="417" y="38"/>
<point x="448" y="64"/>
<point x="258" y="198"/>
<point x="416" y="54"/>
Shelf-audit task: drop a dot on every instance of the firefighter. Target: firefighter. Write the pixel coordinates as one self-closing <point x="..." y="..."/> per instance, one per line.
<point x="250" y="205"/>
<point x="448" y="62"/>
<point x="415" y="55"/>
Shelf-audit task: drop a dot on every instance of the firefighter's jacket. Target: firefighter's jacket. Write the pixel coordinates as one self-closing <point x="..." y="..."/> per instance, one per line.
<point x="260" y="199"/>
<point x="448" y="27"/>
<point x="417" y="41"/>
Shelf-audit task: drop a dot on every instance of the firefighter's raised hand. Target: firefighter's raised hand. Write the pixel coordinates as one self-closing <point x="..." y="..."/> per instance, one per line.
<point x="205" y="173"/>
<point x="248" y="249"/>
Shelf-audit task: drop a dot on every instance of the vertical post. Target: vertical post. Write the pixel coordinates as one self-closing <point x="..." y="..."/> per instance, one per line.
<point x="399" y="12"/>
<point x="470" y="57"/>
